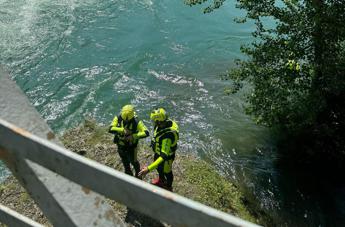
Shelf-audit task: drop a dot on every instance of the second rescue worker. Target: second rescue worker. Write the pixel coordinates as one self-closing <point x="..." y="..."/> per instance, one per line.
<point x="128" y="130"/>
<point x="164" y="145"/>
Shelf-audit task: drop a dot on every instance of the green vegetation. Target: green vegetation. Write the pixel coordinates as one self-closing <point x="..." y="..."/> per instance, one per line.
<point x="194" y="178"/>
<point x="296" y="70"/>
<point x="214" y="5"/>
<point x="204" y="184"/>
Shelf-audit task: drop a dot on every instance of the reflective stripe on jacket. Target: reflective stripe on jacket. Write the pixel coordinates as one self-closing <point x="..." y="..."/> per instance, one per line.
<point x="165" y="140"/>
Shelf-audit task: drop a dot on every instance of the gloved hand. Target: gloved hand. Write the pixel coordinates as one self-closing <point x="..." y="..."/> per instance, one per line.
<point x="128" y="136"/>
<point x="129" y="139"/>
<point x="127" y="132"/>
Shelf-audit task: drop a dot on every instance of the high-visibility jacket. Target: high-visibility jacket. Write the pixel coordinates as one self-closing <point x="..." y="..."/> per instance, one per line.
<point x="135" y="126"/>
<point x="164" y="143"/>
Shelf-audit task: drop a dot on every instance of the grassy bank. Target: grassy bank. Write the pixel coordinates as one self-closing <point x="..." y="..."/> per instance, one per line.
<point x="194" y="178"/>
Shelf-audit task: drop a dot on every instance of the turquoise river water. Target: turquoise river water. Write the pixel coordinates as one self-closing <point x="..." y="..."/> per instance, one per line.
<point x="77" y="58"/>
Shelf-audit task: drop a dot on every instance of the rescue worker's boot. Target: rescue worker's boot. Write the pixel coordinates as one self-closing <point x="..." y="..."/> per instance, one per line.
<point x="158" y="182"/>
<point x="128" y="171"/>
<point x="169" y="182"/>
<point x="166" y="187"/>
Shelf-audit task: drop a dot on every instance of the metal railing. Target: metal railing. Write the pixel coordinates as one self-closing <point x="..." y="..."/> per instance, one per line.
<point x="18" y="144"/>
<point x="12" y="218"/>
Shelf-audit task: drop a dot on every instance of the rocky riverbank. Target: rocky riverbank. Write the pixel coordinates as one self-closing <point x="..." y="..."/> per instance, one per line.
<point x="194" y="179"/>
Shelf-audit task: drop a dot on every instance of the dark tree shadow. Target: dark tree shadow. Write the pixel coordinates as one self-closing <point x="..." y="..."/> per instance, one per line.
<point x="312" y="182"/>
<point x="141" y="220"/>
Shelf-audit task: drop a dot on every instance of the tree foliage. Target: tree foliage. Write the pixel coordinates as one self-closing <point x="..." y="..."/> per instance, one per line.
<point x="297" y="67"/>
<point x="215" y="5"/>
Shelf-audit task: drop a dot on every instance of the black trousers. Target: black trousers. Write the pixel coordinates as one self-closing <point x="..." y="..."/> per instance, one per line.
<point x="167" y="177"/>
<point x="128" y="155"/>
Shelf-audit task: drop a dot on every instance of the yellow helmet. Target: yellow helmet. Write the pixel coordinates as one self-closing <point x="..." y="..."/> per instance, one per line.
<point x="127" y="112"/>
<point x="158" y="115"/>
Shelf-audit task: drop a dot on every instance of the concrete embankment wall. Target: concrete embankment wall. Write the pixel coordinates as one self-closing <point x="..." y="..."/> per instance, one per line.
<point x="63" y="202"/>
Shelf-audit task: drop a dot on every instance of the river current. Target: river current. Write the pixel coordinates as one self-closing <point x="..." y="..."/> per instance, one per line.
<point x="87" y="58"/>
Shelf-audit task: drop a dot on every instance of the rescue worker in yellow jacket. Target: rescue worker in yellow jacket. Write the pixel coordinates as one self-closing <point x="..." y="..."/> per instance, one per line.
<point x="164" y="145"/>
<point x="128" y="129"/>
